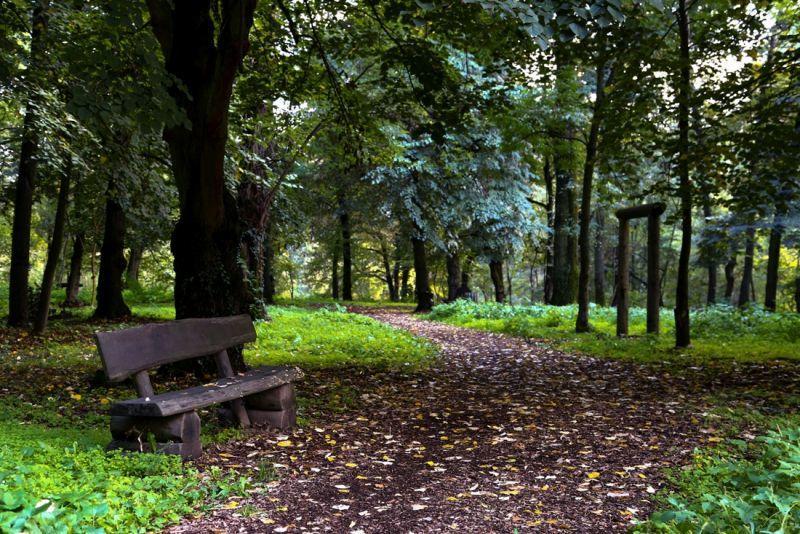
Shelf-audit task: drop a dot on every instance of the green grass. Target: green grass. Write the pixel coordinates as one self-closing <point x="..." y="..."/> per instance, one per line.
<point x="718" y="333"/>
<point x="333" y="338"/>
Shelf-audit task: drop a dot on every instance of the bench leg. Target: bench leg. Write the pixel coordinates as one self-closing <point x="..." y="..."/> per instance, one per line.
<point x="177" y="434"/>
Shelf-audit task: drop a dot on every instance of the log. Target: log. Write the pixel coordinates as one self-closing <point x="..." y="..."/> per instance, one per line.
<point x="182" y="428"/>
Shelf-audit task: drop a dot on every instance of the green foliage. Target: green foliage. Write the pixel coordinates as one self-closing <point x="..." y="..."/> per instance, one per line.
<point x="333" y="338"/>
<point x="744" y="487"/>
<point x="719" y="333"/>
<point x="55" y="480"/>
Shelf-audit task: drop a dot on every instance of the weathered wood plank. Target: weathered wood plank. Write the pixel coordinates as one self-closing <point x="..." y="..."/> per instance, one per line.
<point x="126" y="352"/>
<point x="183" y="428"/>
<point x="223" y="390"/>
<point x="188" y="451"/>
<point x="225" y="370"/>
<point x="280" y="419"/>
<point x="279" y="398"/>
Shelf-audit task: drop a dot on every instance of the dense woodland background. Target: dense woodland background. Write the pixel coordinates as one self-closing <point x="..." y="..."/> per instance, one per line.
<point x="424" y="151"/>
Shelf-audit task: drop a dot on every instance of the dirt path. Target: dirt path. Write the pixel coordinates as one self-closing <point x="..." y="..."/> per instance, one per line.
<point x="501" y="434"/>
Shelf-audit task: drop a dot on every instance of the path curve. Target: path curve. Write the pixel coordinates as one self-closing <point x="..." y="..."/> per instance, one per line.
<point x="500" y="434"/>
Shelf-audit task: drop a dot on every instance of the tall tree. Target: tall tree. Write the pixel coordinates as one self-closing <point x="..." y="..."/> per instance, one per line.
<point x="203" y="43"/>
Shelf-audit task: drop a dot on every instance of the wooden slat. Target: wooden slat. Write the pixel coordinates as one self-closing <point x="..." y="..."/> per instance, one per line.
<point x="126" y="352"/>
<point x="222" y="390"/>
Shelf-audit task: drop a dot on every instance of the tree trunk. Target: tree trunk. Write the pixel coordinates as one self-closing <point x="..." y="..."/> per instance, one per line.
<point x="335" y="274"/>
<point x="395" y="282"/>
<point x="582" y="321"/>
<point x="747" y="272"/>
<point x="711" y="264"/>
<point x="74" y="277"/>
<point x="203" y="46"/>
<point x="387" y="269"/>
<point x="268" y="249"/>
<point x="496" y="273"/>
<point x="422" y="281"/>
<point x="730" y="266"/>
<point x="682" y="324"/>
<point x="600" y="259"/>
<point x="26" y="179"/>
<point x="565" y="249"/>
<point x="773" y="262"/>
<point x="548" y="258"/>
<point x="453" y="276"/>
<point x="134" y="263"/>
<point x="509" y="280"/>
<point x="110" y="304"/>
<point x="405" y="292"/>
<point x="797" y="294"/>
<point x="53" y="252"/>
<point x="347" y="260"/>
<point x="464" y="290"/>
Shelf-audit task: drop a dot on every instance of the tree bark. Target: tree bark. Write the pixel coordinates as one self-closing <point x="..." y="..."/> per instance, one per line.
<point x="26" y="179"/>
<point x="582" y="321"/>
<point x="464" y="290"/>
<point x="268" y="249"/>
<point x="74" y="276"/>
<point x="797" y="294"/>
<point x="422" y="281"/>
<point x="747" y="271"/>
<point x="347" y="259"/>
<point x="551" y="213"/>
<point x="396" y="282"/>
<point x="335" y="274"/>
<point x="405" y="291"/>
<point x="110" y="303"/>
<point x="53" y="252"/>
<point x="134" y="263"/>
<point x="773" y="263"/>
<point x="711" y="264"/>
<point x="203" y="46"/>
<point x="387" y="270"/>
<point x="496" y="273"/>
<point x="453" y="276"/>
<point x="730" y="266"/>
<point x="682" y="323"/>
<point x="600" y="259"/>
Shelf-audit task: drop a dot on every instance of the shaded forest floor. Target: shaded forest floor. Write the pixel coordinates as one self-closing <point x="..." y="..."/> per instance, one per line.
<point x="499" y="433"/>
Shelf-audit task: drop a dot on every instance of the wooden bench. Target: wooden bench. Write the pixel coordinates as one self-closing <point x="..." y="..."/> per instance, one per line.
<point x="168" y="422"/>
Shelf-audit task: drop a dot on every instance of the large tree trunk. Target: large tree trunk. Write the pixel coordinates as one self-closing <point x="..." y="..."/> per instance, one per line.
<point x="53" y="252"/>
<point x="422" y="281"/>
<point x="600" y="259"/>
<point x="396" y="282"/>
<point x="797" y="294"/>
<point x="26" y="179"/>
<point x="134" y="263"/>
<point x="464" y="290"/>
<point x="496" y="274"/>
<point x="74" y="276"/>
<point x="582" y="321"/>
<point x="548" y="258"/>
<point x="747" y="271"/>
<point x="773" y="262"/>
<point x="682" y="325"/>
<point x="110" y="304"/>
<point x="347" y="259"/>
<point x="203" y="45"/>
<point x="453" y="276"/>
<point x="730" y="266"/>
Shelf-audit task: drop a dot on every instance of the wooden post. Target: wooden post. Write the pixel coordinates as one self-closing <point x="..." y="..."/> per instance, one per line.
<point x="653" y="270"/>
<point x="225" y="371"/>
<point x="143" y="386"/>
<point x="623" y="271"/>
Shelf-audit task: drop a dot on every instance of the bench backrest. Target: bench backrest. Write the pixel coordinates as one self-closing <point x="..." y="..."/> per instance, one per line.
<point x="127" y="352"/>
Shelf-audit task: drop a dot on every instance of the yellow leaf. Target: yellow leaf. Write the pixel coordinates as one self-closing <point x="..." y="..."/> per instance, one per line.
<point x="593" y="475"/>
<point x="350" y="464"/>
<point x="231" y="505"/>
<point x="75" y="396"/>
<point x="285" y="443"/>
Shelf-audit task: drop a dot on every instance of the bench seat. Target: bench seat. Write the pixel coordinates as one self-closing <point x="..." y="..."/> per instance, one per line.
<point x="222" y="390"/>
